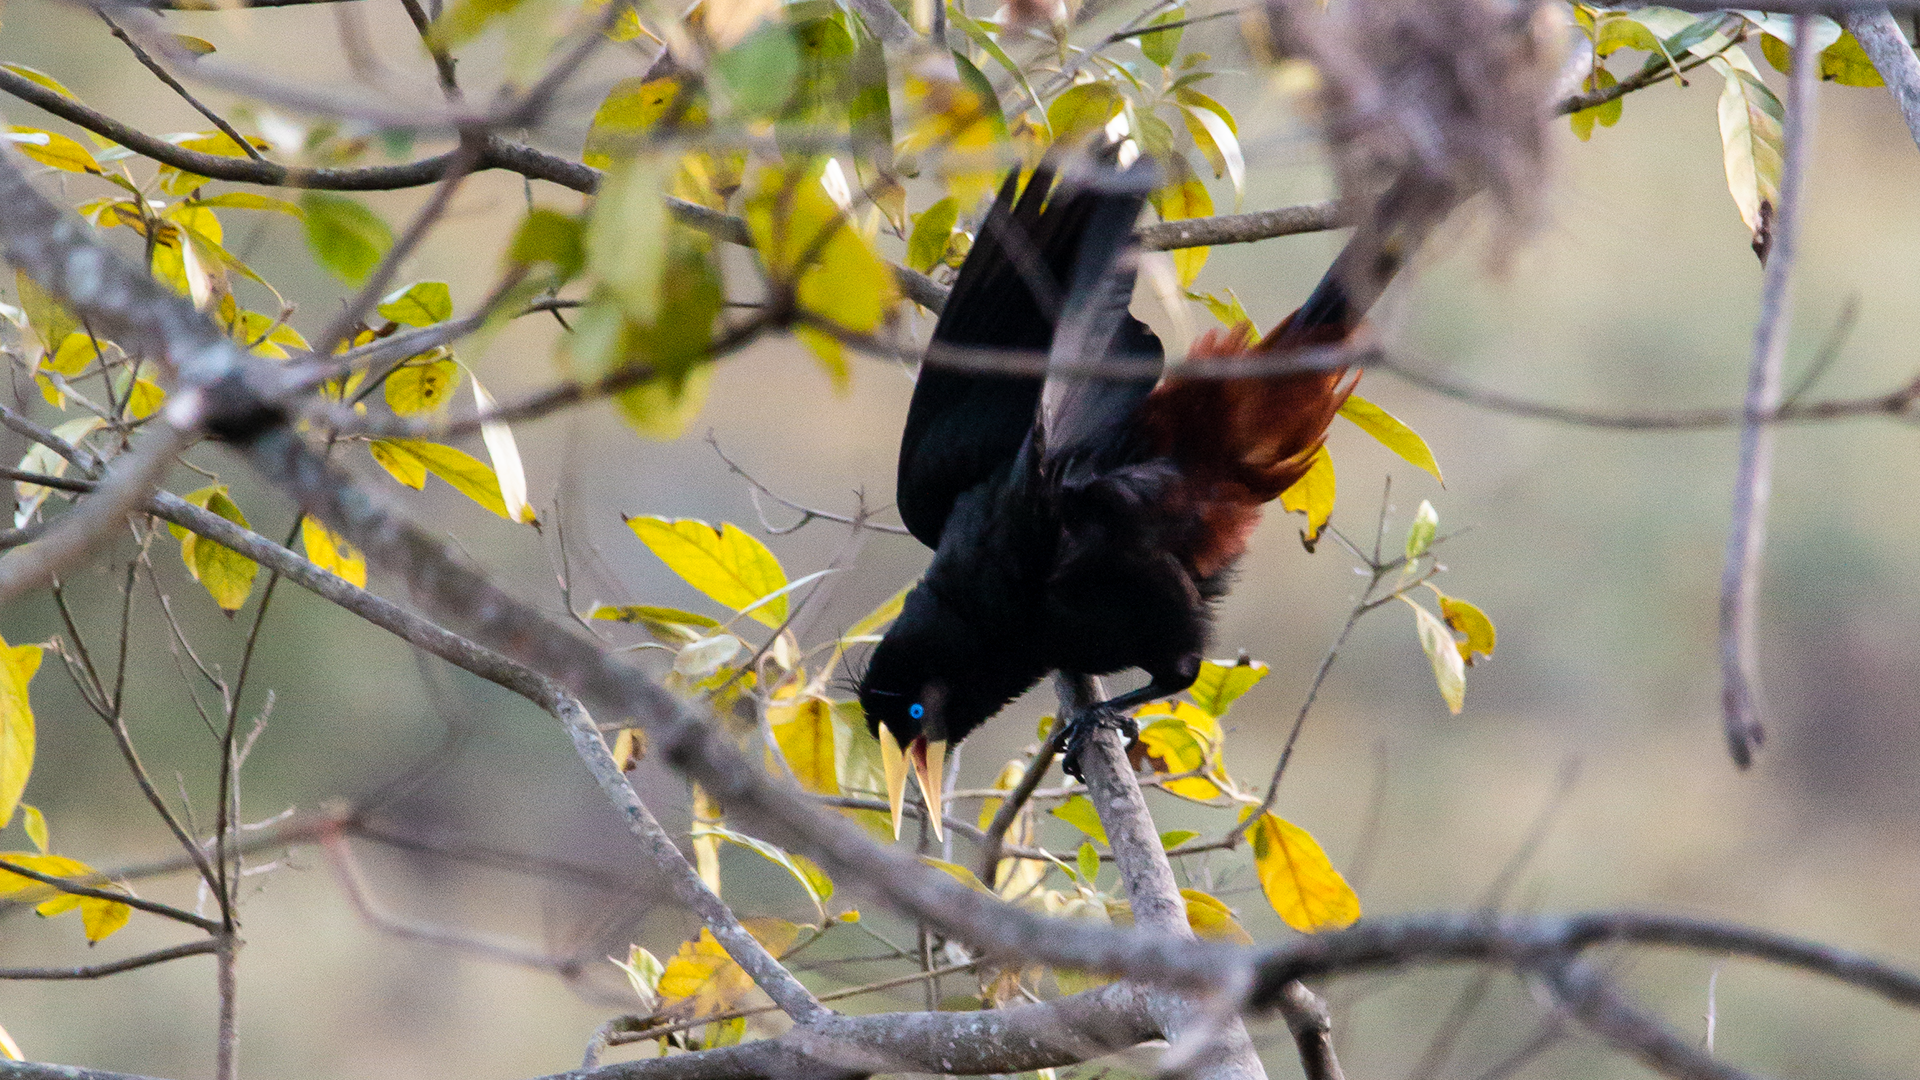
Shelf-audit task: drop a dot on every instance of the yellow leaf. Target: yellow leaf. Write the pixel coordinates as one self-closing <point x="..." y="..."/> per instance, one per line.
<point x="703" y="980"/>
<point x="144" y="399"/>
<point x="399" y="462"/>
<point x="1846" y="63"/>
<point x="1312" y="495"/>
<point x="630" y="110"/>
<point x="226" y="574"/>
<point x="727" y="564"/>
<point x="17" y="666"/>
<point x="1449" y="668"/>
<point x="1221" y="682"/>
<point x="1213" y="920"/>
<point x="954" y="119"/>
<point x="98" y="917"/>
<point x="331" y="552"/>
<point x="1299" y="880"/>
<point x="1472" y="623"/>
<point x="1188" y="738"/>
<point x="806" y="240"/>
<point x="419" y="387"/>
<point x="803" y="728"/>
<point x="35" y="823"/>
<point x="1186" y="199"/>
<point x="1393" y="434"/>
<point x="76" y="351"/>
<point x="958" y="873"/>
<point x="1605" y="114"/>
<point x="9" y="1049"/>
<point x="55" y="149"/>
<point x="409" y="460"/>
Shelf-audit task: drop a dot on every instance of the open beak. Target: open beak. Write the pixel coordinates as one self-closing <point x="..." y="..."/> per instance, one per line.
<point x="929" y="761"/>
<point x="894" y="764"/>
<point x="929" y="766"/>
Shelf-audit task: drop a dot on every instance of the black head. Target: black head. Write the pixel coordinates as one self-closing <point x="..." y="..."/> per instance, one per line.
<point x="937" y="675"/>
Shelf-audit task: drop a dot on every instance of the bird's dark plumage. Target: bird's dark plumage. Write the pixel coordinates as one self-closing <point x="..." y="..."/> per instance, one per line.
<point x="1080" y="522"/>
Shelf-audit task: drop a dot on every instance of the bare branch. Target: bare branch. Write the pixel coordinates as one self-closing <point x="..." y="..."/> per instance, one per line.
<point x="1740" y="579"/>
<point x="67" y="885"/>
<point x="97" y="971"/>
<point x="1892" y="57"/>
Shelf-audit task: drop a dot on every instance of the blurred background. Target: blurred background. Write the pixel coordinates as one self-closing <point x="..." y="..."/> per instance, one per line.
<point x="1596" y="553"/>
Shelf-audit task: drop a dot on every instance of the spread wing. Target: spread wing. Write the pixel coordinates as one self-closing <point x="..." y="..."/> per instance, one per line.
<point x="968" y="420"/>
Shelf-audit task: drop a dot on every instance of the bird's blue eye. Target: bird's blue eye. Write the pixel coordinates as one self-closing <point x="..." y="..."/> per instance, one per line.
<point x="916" y="710"/>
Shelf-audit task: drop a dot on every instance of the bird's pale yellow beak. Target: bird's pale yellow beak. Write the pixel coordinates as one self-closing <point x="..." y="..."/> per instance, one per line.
<point x="929" y="761"/>
<point x="929" y="765"/>
<point x="894" y="764"/>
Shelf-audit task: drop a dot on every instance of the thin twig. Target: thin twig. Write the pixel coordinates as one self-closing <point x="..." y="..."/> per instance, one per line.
<point x="246" y="145"/>
<point x="1740" y="579"/>
<point x="115" y="967"/>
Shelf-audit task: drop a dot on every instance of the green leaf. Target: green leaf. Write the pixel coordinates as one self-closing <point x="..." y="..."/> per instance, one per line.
<point x="1082" y="110"/>
<point x="1087" y="861"/>
<point x="1220" y="683"/>
<point x="1173" y="838"/>
<point x="932" y="230"/>
<point x="47" y="316"/>
<point x="1392" y="434"/>
<point x="1752" y="141"/>
<point x="1426" y="522"/>
<point x="247" y="200"/>
<point x="421" y="387"/>
<point x="410" y="460"/>
<point x="1160" y="45"/>
<point x="731" y="567"/>
<point x="346" y="237"/>
<point x="17" y="666"/>
<point x="643" y="974"/>
<point x="226" y="574"/>
<point x="549" y="236"/>
<point x="627" y="236"/>
<point x="1298" y="878"/>
<point x="1080" y="814"/>
<point x="35" y="822"/>
<point x="1449" y="669"/>
<point x="671" y="625"/>
<point x="760" y="71"/>
<point x="817" y="886"/>
<point x="423" y="303"/>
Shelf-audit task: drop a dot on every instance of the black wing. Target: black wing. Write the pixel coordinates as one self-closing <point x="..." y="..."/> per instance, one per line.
<point x="965" y="422"/>
<point x="1087" y="413"/>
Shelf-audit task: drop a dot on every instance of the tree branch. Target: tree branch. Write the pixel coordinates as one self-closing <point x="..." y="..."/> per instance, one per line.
<point x="1740" y="578"/>
<point x="1158" y="907"/>
<point x="1884" y="43"/>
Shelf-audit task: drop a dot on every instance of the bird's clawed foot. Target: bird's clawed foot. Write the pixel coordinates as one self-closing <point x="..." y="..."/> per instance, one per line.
<point x="1081" y="729"/>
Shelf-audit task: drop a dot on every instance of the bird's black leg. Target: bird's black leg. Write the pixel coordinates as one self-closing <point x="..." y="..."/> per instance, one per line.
<point x="1111" y="713"/>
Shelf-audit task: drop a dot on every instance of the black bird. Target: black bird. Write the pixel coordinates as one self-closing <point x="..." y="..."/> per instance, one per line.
<point x="1082" y="524"/>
